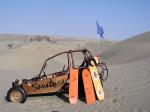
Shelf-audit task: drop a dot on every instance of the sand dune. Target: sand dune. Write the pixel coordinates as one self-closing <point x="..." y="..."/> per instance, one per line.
<point x="129" y="50"/>
<point x="31" y="55"/>
<point x="104" y="46"/>
<point x="28" y="56"/>
<point x="127" y="88"/>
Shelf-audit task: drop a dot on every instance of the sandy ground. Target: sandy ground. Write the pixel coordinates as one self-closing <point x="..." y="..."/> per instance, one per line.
<point x="127" y="88"/>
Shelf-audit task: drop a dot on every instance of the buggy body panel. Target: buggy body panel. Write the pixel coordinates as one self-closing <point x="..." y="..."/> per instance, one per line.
<point x="48" y="84"/>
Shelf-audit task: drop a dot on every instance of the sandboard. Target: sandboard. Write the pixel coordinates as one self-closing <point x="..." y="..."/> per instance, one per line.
<point x="73" y="86"/>
<point x="88" y="86"/>
<point x="97" y="83"/>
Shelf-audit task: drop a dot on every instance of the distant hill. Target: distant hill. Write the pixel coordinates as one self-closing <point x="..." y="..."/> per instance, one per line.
<point x="8" y="37"/>
<point x="131" y="49"/>
<point x="104" y="46"/>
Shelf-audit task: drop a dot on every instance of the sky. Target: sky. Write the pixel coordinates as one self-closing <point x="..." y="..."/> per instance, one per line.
<point x="120" y="19"/>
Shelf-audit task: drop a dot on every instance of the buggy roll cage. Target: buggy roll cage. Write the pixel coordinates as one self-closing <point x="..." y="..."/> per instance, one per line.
<point x="85" y="52"/>
<point x="87" y="58"/>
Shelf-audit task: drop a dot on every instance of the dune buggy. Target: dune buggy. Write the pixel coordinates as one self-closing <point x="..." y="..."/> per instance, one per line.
<point x="58" y="81"/>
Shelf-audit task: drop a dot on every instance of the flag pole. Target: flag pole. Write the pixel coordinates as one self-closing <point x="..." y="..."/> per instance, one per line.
<point x="100" y="32"/>
<point x="99" y="46"/>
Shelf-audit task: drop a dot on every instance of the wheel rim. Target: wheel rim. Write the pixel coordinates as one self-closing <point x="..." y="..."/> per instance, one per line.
<point x="15" y="96"/>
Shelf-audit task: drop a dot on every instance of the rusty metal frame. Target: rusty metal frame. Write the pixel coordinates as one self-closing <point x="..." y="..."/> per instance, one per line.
<point x="84" y="51"/>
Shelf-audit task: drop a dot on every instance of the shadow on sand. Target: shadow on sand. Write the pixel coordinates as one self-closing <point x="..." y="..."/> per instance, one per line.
<point x="61" y="95"/>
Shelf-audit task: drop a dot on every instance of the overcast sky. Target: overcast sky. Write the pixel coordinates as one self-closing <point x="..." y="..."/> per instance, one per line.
<point x="75" y="18"/>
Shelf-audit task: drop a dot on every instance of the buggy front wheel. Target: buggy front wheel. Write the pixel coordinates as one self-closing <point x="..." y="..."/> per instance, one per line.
<point x="16" y="94"/>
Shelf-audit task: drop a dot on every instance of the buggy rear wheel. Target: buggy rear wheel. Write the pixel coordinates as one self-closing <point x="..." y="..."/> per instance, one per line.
<point x="16" y="94"/>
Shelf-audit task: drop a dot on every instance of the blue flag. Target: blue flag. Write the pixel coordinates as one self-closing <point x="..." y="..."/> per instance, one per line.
<point x="100" y="30"/>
